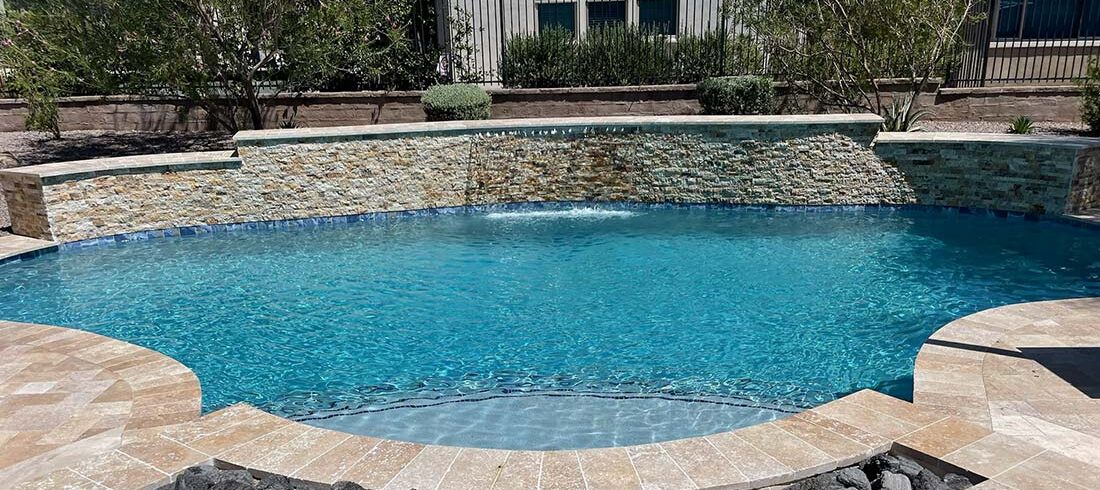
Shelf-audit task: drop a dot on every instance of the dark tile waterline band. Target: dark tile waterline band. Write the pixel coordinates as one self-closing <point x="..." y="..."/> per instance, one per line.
<point x="379" y="216"/>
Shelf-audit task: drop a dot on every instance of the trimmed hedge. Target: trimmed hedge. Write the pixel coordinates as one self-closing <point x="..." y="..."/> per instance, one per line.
<point x="737" y="95"/>
<point x="623" y="55"/>
<point x="457" y="102"/>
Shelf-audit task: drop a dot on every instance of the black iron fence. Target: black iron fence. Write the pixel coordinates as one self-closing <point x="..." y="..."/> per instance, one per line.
<point x="1029" y="42"/>
<point x="522" y="43"/>
<point x="519" y="43"/>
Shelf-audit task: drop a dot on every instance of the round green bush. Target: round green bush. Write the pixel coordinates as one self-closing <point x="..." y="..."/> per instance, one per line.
<point x="458" y="102"/>
<point x="736" y="95"/>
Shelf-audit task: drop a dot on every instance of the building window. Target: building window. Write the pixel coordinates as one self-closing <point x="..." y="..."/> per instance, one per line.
<point x="557" y="15"/>
<point x="606" y="13"/>
<point x="1048" y="19"/>
<point x="658" y="16"/>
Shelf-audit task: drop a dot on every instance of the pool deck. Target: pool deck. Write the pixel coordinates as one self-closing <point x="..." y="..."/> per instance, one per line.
<point x="1009" y="394"/>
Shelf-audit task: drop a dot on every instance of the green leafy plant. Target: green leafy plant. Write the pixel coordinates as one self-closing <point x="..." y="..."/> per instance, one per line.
<point x="901" y="115"/>
<point x="840" y="52"/>
<point x="712" y="54"/>
<point x="620" y="55"/>
<point x="546" y="59"/>
<point x="1090" y="96"/>
<point x="737" y="95"/>
<point x="1021" y="125"/>
<point x="457" y="102"/>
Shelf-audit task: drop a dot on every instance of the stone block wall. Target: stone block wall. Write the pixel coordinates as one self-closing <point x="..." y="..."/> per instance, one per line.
<point x="309" y="173"/>
<point x="798" y="160"/>
<point x="1014" y="173"/>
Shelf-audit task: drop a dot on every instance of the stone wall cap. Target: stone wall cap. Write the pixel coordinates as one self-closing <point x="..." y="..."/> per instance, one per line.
<point x="279" y="136"/>
<point x="1008" y="139"/>
<point x="52" y="173"/>
<point x="1013" y="90"/>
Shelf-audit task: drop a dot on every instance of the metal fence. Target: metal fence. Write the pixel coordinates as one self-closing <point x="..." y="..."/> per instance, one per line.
<point x="1017" y="42"/>
<point x="1029" y="42"/>
<point x="477" y="32"/>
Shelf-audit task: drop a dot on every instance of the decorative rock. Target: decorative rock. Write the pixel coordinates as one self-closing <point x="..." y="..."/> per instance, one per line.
<point x="908" y="467"/>
<point x="926" y="480"/>
<point x="854" y="478"/>
<point x="957" y="482"/>
<point x="894" y="481"/>
<point x="275" y="482"/>
<point x="347" y="485"/>
<point x="826" y="481"/>
<point x="211" y="478"/>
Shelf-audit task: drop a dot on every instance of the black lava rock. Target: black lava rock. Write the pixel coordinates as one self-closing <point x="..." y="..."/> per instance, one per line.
<point x="893" y="481"/>
<point x="957" y="482"/>
<point x="209" y="478"/>
<point x="275" y="482"/>
<point x="347" y="485"/>
<point x="826" y="481"/>
<point x="853" y="478"/>
<point x="926" y="480"/>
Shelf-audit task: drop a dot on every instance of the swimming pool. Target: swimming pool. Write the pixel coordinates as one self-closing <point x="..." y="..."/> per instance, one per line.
<point x="551" y="327"/>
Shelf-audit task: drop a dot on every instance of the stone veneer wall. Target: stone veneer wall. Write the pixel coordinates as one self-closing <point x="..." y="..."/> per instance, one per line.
<point x="348" y="171"/>
<point x="801" y="160"/>
<point x="1006" y="172"/>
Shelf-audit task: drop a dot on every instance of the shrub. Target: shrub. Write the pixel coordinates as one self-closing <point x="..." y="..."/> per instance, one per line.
<point x="1090" y="96"/>
<point x="540" y="60"/>
<point x="458" y="102"/>
<point x="619" y="55"/>
<point x="901" y="117"/>
<point x="737" y="95"/>
<point x="1021" y="125"/>
<point x="699" y="57"/>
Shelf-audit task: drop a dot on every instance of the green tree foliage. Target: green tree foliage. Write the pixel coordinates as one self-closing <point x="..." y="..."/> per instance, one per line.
<point x="840" y="51"/>
<point x="1090" y="96"/>
<point x="227" y="56"/>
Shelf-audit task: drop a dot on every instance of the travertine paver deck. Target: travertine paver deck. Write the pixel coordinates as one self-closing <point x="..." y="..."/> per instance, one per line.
<point x="1031" y="374"/>
<point x="830" y="436"/>
<point x="15" y="245"/>
<point x="66" y="395"/>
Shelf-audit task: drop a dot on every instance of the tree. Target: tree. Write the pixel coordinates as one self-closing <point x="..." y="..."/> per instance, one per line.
<point x="230" y="57"/>
<point x="841" y="51"/>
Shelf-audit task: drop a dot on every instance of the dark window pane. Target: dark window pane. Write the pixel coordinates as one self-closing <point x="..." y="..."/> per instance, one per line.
<point x="1008" y="19"/>
<point x="1050" y="19"/>
<point x="658" y="16"/>
<point x="1090" y="19"/>
<point x="559" y="15"/>
<point x="601" y="14"/>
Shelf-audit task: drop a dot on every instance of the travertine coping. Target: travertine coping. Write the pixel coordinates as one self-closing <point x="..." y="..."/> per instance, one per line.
<point x="67" y="395"/>
<point x="1026" y="371"/>
<point x="14" y="247"/>
<point x="54" y="173"/>
<point x="818" y="440"/>
<point x="563" y="125"/>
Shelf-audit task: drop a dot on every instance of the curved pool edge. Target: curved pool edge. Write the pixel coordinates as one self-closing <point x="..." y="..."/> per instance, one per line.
<point x="70" y="394"/>
<point x="1022" y="371"/>
<point x="830" y="436"/>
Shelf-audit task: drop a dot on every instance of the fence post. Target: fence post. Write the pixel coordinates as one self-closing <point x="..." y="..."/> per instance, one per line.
<point x="724" y="37"/>
<point x="987" y="36"/>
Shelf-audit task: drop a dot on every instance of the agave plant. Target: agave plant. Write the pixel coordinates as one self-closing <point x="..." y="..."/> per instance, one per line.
<point x="1022" y="125"/>
<point x="901" y="116"/>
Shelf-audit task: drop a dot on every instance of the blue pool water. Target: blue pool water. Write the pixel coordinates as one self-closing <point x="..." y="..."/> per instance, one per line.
<point x="556" y="328"/>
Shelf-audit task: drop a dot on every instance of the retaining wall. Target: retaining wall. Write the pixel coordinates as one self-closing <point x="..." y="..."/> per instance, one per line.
<point x="793" y="160"/>
<point x="1058" y="104"/>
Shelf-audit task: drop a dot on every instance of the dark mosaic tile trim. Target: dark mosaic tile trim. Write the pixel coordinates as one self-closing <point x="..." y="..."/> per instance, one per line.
<point x="546" y="206"/>
<point x="33" y="254"/>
